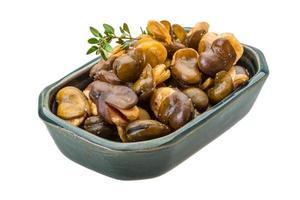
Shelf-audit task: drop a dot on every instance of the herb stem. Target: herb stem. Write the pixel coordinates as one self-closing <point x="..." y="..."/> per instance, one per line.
<point x="101" y="41"/>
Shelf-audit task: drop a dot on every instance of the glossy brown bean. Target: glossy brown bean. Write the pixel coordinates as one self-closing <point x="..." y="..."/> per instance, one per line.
<point x="222" y="88"/>
<point x="145" y="130"/>
<point x="220" y="56"/>
<point x="98" y="126"/>
<point x="199" y="98"/>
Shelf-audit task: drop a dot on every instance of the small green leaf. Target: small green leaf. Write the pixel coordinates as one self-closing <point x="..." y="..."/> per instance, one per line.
<point x="143" y="31"/>
<point x="93" y="41"/>
<point x="126" y="44"/>
<point x="147" y="31"/>
<point x="95" y="32"/>
<point x="103" y="39"/>
<point x="103" y="54"/>
<point x="120" y="41"/>
<point x="121" y="30"/>
<point x="92" y="49"/>
<point x="108" y="29"/>
<point x="126" y="28"/>
<point x="108" y="48"/>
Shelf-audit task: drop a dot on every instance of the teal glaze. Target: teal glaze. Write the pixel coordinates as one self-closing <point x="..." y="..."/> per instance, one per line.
<point x="147" y="159"/>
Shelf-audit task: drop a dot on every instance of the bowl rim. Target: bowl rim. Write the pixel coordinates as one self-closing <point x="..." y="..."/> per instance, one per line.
<point x="150" y="145"/>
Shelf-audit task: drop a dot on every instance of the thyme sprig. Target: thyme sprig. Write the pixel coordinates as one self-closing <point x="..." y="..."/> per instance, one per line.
<point x="101" y="41"/>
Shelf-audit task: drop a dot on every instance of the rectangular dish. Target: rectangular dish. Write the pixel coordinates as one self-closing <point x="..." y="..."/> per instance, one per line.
<point x="147" y="159"/>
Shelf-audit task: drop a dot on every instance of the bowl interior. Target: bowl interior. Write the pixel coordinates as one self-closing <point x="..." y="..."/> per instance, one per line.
<point x="82" y="80"/>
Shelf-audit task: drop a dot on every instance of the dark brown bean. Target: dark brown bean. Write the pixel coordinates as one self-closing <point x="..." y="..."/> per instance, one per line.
<point x="145" y="130"/>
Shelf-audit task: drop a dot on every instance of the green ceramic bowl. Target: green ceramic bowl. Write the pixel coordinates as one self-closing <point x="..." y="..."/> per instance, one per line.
<point x="151" y="158"/>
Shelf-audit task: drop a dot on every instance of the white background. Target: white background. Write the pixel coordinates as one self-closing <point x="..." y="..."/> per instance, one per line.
<point x="41" y="41"/>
